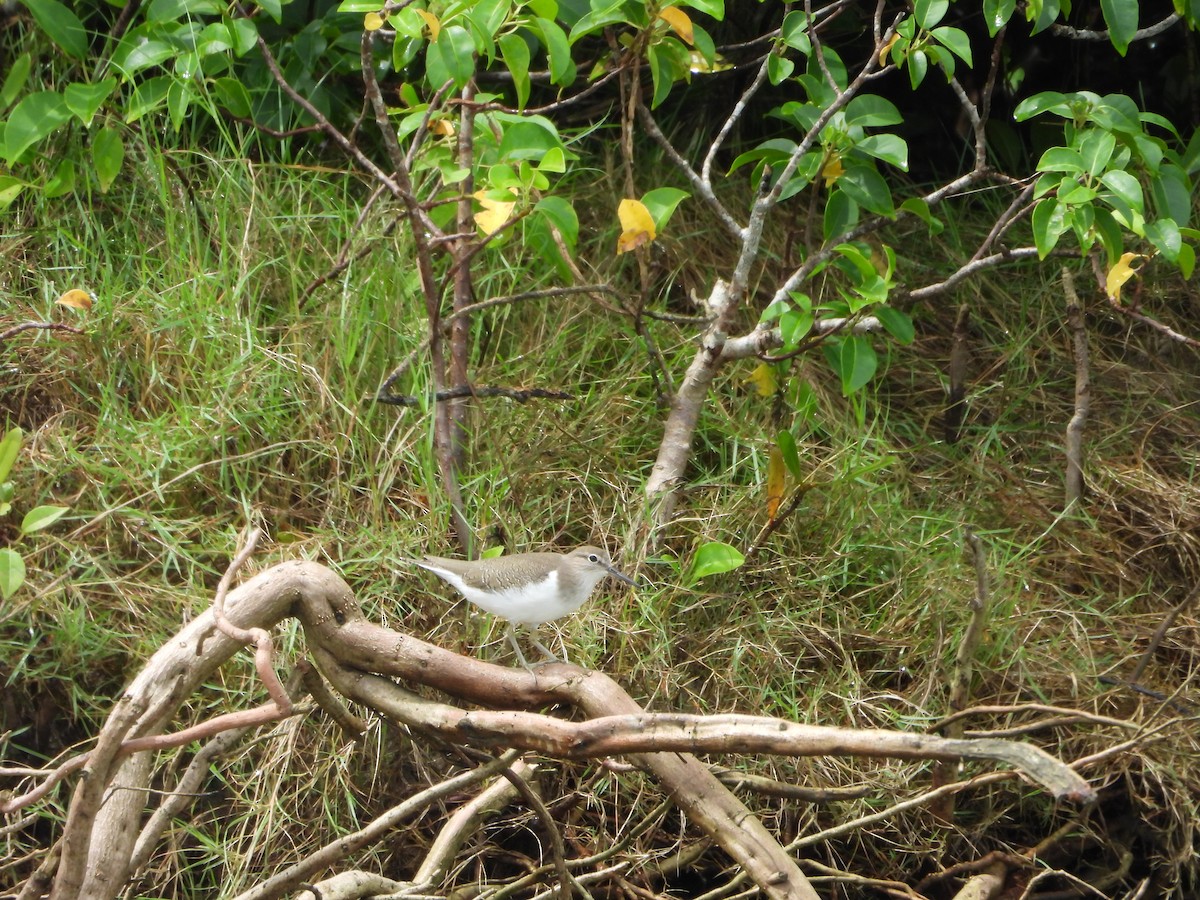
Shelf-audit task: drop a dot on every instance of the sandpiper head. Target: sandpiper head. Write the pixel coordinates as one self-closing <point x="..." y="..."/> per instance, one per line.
<point x="589" y="557"/>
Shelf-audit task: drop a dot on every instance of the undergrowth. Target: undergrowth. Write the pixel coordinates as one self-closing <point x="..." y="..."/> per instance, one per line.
<point x="210" y="389"/>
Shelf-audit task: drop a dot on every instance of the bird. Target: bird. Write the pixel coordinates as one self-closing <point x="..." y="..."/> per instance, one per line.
<point x="528" y="588"/>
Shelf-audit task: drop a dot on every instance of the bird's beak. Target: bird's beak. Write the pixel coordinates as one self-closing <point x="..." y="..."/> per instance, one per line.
<point x="620" y="576"/>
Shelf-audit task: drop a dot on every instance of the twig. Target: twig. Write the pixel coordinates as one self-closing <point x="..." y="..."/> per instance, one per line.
<point x="264" y="652"/>
<point x="956" y="405"/>
<point x="964" y="663"/>
<point x="1083" y="393"/>
<point x="43" y="326"/>
<point x="1083" y="34"/>
<point x="1161" y="631"/>
<point x="521" y="395"/>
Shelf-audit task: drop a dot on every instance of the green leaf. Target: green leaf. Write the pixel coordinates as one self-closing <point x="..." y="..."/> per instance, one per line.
<point x="61" y="25"/>
<point x="9" y="448"/>
<point x="898" y="324"/>
<point x="1049" y="222"/>
<point x="930" y="12"/>
<point x="1121" y="17"/>
<point x="232" y="95"/>
<point x="1164" y="234"/>
<point x="868" y="189"/>
<point x="12" y="572"/>
<point x="869" y="110"/>
<point x="920" y="209"/>
<point x="841" y="214"/>
<point x="854" y="360"/>
<point x="1096" y="149"/>
<point x="888" y="147"/>
<point x="997" y="13"/>
<point x="661" y="203"/>
<point x="558" y="52"/>
<point x="170" y="10"/>
<point x="273" y="8"/>
<point x="244" y="33"/>
<point x="108" y="152"/>
<point x="794" y="32"/>
<point x="1172" y="193"/>
<point x="955" y="40"/>
<point x="529" y="139"/>
<point x="34" y="119"/>
<point x="615" y="13"/>
<point x="85" y="99"/>
<point x="14" y="81"/>
<point x="714" y="8"/>
<point x="1043" y="14"/>
<point x="42" y="517"/>
<point x="450" y="58"/>
<point x="1061" y="159"/>
<point x="1126" y="187"/>
<point x="516" y="59"/>
<point x="791" y="455"/>
<point x="10" y="189"/>
<point x="1186" y="261"/>
<point x="1046" y="101"/>
<point x="714" y="558"/>
<point x="779" y="68"/>
<point x="918" y="65"/>
<point x="794" y="326"/>
<point x="662" y="71"/>
<point x="561" y="214"/>
<point x="62" y="182"/>
<point x="147" y="97"/>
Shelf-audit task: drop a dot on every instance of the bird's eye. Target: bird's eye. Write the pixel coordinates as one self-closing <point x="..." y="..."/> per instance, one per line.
<point x="592" y="557"/>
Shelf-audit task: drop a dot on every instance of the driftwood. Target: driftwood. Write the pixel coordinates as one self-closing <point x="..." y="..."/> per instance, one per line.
<point x="101" y="843"/>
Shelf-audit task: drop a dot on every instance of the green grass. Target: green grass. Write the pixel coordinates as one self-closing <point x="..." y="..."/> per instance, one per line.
<point x="208" y="391"/>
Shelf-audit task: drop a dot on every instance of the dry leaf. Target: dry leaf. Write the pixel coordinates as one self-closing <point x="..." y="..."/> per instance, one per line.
<point x="776" y="480"/>
<point x="763" y="379"/>
<point x="637" y="225"/>
<point x="494" y="213"/>
<point x="832" y="170"/>
<point x="372" y="21"/>
<point x="679" y="22"/>
<point x="886" y="48"/>
<point x="77" y="299"/>
<point x="1119" y="274"/>
<point x="435" y="27"/>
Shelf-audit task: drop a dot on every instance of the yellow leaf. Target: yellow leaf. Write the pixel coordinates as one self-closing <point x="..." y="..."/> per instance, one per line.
<point x="698" y="64"/>
<point x="435" y="27"/>
<point x="763" y="379"/>
<point x="832" y="171"/>
<point x="637" y="225"/>
<point x="883" y="51"/>
<point x="1119" y="274"/>
<point x="372" y="21"/>
<point x="77" y="299"/>
<point x="776" y="480"/>
<point x="494" y="213"/>
<point x="679" y="22"/>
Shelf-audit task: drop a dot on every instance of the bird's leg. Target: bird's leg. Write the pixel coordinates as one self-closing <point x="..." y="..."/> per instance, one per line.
<point x="512" y="639"/>
<point x="547" y="653"/>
